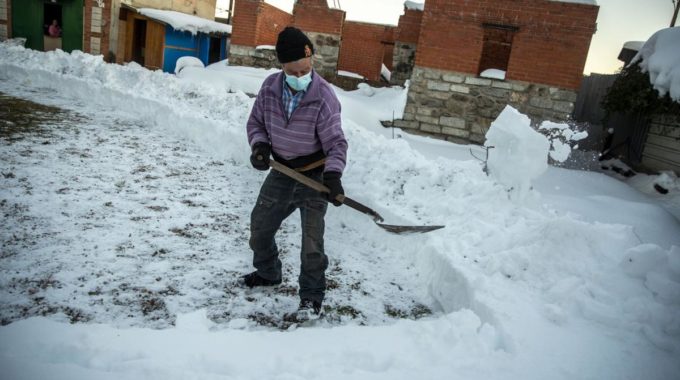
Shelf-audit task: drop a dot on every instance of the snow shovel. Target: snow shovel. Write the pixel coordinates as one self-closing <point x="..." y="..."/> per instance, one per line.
<point x="350" y="202"/>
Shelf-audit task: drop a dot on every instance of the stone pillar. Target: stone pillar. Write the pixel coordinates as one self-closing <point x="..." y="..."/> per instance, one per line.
<point x="326" y="52"/>
<point x="403" y="62"/>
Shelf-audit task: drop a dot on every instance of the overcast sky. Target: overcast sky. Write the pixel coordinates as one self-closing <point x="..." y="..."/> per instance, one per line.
<point x="618" y="21"/>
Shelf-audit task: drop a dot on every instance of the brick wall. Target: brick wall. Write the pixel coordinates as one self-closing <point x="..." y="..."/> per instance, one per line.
<point x="5" y="19"/>
<point x="364" y="48"/>
<point x="316" y="16"/>
<point x="97" y="27"/>
<point x="549" y="47"/>
<point x="271" y="22"/>
<point x="408" y="30"/>
<point x="244" y="22"/>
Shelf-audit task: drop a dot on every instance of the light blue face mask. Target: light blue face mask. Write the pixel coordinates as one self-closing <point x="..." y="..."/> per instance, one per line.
<point x="301" y="83"/>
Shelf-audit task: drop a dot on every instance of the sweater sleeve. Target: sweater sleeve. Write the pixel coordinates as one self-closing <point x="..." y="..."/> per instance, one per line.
<point x="333" y="142"/>
<point x="255" y="127"/>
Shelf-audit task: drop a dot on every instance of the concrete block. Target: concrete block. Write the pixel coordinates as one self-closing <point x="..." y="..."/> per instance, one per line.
<point x="478" y="81"/>
<point x="452" y="122"/>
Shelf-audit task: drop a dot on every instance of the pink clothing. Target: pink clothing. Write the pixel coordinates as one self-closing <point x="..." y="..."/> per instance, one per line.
<point x="54" y="30"/>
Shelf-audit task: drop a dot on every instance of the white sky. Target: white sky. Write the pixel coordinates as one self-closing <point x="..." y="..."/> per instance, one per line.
<point x="619" y="21"/>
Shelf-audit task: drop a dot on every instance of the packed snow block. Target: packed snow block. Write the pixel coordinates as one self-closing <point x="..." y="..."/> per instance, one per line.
<point x="187" y="61"/>
<point x="517" y="153"/>
<point x="642" y="259"/>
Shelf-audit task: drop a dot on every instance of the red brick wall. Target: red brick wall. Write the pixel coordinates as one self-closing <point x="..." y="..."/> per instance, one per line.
<point x="550" y="46"/>
<point x="316" y="16"/>
<point x="271" y="22"/>
<point x="409" y="26"/>
<point x="104" y="35"/>
<point x="244" y="22"/>
<point x="363" y="48"/>
<point x="9" y="19"/>
<point x="388" y="44"/>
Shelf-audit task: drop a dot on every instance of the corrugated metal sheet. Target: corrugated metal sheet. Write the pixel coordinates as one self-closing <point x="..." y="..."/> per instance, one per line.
<point x="662" y="148"/>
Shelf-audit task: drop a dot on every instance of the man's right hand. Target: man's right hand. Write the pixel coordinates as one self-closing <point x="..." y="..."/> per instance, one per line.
<point x="260" y="156"/>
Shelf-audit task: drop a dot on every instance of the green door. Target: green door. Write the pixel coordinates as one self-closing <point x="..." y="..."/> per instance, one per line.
<point x="72" y="25"/>
<point x="28" y="22"/>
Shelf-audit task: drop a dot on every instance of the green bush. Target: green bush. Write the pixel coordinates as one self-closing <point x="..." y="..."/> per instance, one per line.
<point x="631" y="92"/>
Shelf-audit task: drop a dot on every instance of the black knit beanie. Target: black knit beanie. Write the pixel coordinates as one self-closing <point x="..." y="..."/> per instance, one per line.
<point x="292" y="45"/>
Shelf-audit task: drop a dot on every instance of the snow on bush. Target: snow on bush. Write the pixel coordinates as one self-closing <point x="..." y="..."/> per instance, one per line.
<point x="519" y="153"/>
<point x="187" y="61"/>
<point x="660" y="57"/>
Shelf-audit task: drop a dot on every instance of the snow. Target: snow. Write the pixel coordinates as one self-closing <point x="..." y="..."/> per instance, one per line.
<point x="517" y="153"/>
<point x="265" y="47"/>
<point x="185" y="22"/>
<point x="349" y="74"/>
<point x="385" y="72"/>
<point x="412" y="5"/>
<point x="660" y="57"/>
<point x="493" y="74"/>
<point x="128" y="211"/>
<point x="187" y="61"/>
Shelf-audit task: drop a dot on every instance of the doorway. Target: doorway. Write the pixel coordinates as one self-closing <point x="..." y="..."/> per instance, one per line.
<point x="215" y="51"/>
<point x="139" y="41"/>
<point x="52" y="26"/>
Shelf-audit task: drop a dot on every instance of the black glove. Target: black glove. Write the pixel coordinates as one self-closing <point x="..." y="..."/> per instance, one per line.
<point x="333" y="183"/>
<point x="260" y="156"/>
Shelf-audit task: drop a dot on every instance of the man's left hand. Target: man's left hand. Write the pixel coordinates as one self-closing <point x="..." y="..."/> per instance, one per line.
<point x="334" y="184"/>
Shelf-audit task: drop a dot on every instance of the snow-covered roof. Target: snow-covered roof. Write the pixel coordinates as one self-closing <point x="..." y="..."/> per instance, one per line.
<point x="660" y="57"/>
<point x="185" y="22"/>
<point x="634" y="45"/>
<point x="412" y="5"/>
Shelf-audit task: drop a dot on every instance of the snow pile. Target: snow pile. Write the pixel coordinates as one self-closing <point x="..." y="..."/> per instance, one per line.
<point x="265" y="47"/>
<point x="187" y="61"/>
<point x="561" y="137"/>
<point x="514" y="287"/>
<point x="385" y="72"/>
<point x="350" y="74"/>
<point x="185" y="22"/>
<point x="517" y="153"/>
<point x="414" y="6"/>
<point x="493" y="74"/>
<point x="660" y="56"/>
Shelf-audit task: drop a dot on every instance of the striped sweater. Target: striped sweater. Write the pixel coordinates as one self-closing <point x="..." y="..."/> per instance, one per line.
<point x="314" y="125"/>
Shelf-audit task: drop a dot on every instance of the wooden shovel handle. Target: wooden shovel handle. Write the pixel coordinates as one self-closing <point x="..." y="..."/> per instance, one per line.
<point x="323" y="189"/>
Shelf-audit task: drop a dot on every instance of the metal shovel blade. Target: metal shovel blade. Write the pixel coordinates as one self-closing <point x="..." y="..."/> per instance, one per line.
<point x="347" y="201"/>
<point x="403" y="230"/>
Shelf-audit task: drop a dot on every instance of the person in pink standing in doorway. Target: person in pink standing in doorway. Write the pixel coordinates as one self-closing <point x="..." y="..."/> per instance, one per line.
<point x="54" y="30"/>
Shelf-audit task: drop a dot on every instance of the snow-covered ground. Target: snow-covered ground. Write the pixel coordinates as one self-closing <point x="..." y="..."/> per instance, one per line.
<point x="126" y="212"/>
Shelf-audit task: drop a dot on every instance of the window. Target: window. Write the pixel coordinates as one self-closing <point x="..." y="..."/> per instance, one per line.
<point x="496" y="50"/>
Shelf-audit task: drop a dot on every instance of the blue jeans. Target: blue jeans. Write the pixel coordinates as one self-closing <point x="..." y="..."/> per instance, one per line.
<point x="279" y="197"/>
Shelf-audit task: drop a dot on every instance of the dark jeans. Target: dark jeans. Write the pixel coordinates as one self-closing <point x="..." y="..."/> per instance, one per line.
<point x="279" y="197"/>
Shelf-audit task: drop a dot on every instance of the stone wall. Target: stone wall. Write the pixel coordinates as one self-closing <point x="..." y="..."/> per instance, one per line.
<point x="403" y="62"/>
<point x="240" y="55"/>
<point x="460" y="107"/>
<point x="326" y="52"/>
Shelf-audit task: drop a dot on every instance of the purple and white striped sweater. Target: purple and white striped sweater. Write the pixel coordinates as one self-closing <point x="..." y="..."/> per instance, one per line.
<point x="314" y="125"/>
